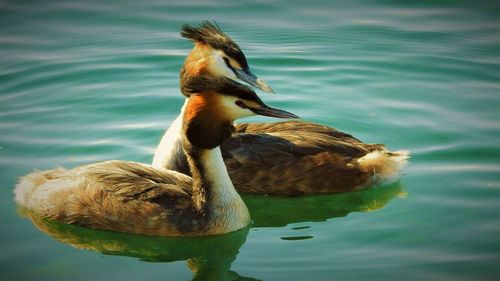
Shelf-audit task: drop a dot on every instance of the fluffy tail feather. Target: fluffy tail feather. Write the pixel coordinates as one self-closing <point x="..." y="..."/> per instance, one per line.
<point x="384" y="164"/>
<point x="29" y="184"/>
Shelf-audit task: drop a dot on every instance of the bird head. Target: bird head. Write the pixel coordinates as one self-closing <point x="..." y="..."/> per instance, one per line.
<point x="214" y="103"/>
<point x="217" y="54"/>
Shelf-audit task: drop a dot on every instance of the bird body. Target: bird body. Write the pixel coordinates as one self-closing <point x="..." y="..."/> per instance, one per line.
<point x="136" y="198"/>
<point x="297" y="158"/>
<point x="292" y="158"/>
<point x="282" y="158"/>
<point x="112" y="195"/>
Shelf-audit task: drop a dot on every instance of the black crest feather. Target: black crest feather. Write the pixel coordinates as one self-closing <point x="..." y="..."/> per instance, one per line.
<point x="211" y="34"/>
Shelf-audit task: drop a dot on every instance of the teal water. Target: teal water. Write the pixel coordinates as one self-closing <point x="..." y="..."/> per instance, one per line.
<point x="88" y="81"/>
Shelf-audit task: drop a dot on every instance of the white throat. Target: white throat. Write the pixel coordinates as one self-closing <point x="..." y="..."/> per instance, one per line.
<point x="228" y="209"/>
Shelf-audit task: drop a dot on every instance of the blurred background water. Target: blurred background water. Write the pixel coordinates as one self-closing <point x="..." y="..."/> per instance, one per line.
<point x="87" y="81"/>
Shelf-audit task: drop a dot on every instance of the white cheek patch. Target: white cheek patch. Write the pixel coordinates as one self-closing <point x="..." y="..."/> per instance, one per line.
<point x="236" y="112"/>
<point x="219" y="67"/>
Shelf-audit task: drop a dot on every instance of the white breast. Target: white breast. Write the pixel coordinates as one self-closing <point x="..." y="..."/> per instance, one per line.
<point x="170" y="146"/>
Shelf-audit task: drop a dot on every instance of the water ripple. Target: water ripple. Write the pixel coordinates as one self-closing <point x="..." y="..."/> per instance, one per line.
<point x="88" y="81"/>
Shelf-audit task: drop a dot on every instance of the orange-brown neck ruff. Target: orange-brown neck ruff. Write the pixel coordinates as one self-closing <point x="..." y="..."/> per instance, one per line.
<point x="196" y="64"/>
<point x="205" y="123"/>
<point x="197" y="61"/>
<point x="197" y="105"/>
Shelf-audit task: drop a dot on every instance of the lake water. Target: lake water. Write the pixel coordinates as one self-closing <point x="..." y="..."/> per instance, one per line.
<point x="88" y="81"/>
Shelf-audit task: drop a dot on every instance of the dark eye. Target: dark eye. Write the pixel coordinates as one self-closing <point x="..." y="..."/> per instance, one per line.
<point x="226" y="60"/>
<point x="240" y="104"/>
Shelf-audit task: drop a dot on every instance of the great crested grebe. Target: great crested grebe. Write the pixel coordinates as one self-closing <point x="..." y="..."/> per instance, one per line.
<point x="136" y="198"/>
<point x="282" y="158"/>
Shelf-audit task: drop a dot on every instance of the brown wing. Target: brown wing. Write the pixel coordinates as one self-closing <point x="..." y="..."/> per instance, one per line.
<point x="136" y="181"/>
<point x="126" y="197"/>
<point x="292" y="158"/>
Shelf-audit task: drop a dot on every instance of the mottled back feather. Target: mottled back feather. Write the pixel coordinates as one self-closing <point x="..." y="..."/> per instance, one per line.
<point x="117" y="195"/>
<point x="294" y="158"/>
<point x="136" y="181"/>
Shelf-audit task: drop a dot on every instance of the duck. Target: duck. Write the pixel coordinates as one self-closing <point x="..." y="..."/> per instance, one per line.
<point x="136" y="198"/>
<point x="289" y="158"/>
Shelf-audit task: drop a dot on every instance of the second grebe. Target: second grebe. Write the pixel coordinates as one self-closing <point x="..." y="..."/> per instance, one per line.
<point x="282" y="158"/>
<point x="136" y="198"/>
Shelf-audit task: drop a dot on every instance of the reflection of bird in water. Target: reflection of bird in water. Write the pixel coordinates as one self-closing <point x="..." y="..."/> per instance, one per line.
<point x="280" y="211"/>
<point x="136" y="198"/>
<point x="209" y="257"/>
<point x="282" y="158"/>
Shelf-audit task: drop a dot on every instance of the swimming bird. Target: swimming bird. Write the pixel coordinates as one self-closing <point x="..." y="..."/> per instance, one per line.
<point x="137" y="198"/>
<point x="283" y="158"/>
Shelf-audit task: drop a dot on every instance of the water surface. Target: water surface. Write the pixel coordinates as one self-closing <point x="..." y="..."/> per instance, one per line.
<point x="88" y="81"/>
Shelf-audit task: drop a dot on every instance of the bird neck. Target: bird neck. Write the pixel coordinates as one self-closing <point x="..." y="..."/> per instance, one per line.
<point x="213" y="192"/>
<point x="210" y="177"/>
<point x="169" y="153"/>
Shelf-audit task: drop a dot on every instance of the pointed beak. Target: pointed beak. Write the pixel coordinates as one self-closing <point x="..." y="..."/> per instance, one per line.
<point x="251" y="79"/>
<point x="272" y="112"/>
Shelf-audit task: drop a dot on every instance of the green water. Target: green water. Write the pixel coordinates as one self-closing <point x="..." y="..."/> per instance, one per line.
<point x="87" y="81"/>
